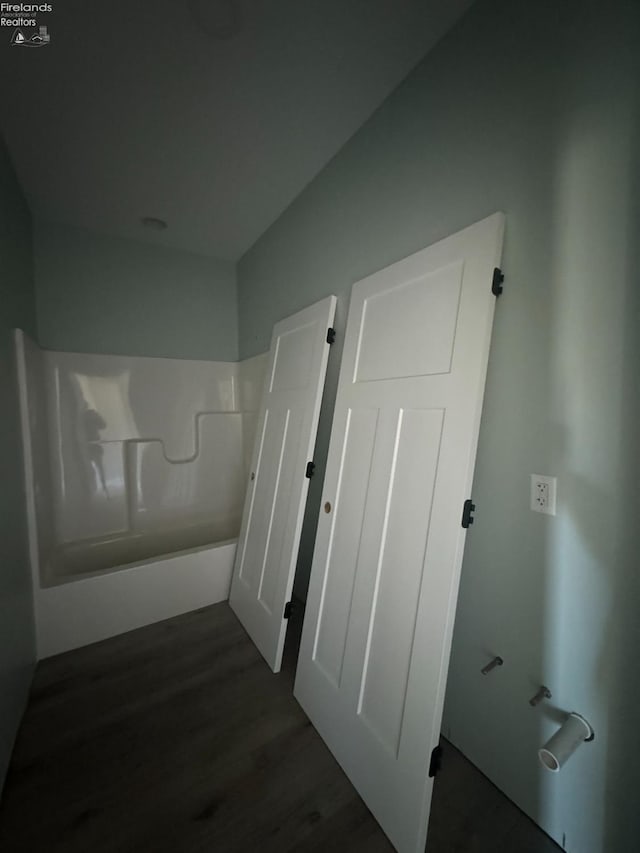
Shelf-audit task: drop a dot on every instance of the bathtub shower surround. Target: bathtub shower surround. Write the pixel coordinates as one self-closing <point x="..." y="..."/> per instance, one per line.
<point x="146" y="455"/>
<point x="132" y="461"/>
<point x="35" y="443"/>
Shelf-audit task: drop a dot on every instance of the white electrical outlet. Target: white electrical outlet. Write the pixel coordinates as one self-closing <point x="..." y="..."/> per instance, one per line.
<point x="543" y="494"/>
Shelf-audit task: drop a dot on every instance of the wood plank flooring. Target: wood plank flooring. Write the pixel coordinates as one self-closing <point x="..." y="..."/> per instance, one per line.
<point x="177" y="737"/>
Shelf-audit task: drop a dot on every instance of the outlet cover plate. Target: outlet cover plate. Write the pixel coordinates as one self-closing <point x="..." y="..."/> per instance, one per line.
<point x="543" y="494"/>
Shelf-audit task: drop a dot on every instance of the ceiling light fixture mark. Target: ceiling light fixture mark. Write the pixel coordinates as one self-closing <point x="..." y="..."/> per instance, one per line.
<point x="154" y="223"/>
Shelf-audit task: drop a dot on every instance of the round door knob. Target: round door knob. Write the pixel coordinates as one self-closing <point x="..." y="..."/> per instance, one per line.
<point x="327" y="507"/>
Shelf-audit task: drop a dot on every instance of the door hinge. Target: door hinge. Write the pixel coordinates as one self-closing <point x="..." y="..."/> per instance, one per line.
<point x="331" y="336"/>
<point x="496" y="284"/>
<point x="436" y="761"/>
<point x="311" y="470"/>
<point x="467" y="509"/>
<point x="287" y="610"/>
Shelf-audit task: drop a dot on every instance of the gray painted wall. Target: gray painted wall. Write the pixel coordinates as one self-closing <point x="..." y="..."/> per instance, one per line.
<point x="17" y="309"/>
<point x="111" y="295"/>
<point x="531" y="109"/>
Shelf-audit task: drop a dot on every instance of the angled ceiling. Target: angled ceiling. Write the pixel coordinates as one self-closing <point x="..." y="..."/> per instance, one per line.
<point x="210" y="114"/>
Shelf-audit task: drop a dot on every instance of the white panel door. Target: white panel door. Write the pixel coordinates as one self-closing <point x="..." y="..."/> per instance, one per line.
<point x="384" y="580"/>
<point x="277" y="490"/>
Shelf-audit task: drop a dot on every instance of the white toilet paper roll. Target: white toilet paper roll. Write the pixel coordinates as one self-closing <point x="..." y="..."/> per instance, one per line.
<point x="559" y="748"/>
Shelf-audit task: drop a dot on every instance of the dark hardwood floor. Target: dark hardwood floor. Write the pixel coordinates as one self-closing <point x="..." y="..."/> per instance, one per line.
<point x="177" y="737"/>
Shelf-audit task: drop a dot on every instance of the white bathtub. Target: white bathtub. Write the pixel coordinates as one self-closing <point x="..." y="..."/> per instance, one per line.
<point x="134" y="519"/>
<point x="94" y="607"/>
